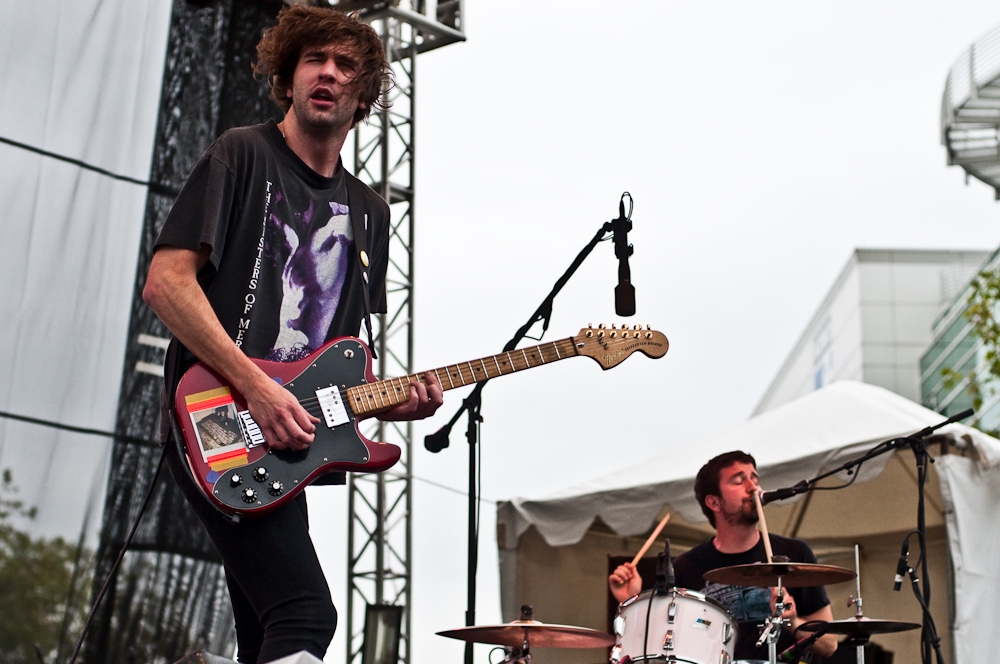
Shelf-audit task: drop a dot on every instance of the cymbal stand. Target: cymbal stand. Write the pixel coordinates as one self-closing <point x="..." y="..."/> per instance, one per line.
<point x="773" y="625"/>
<point x="858" y="642"/>
<point x="519" y="655"/>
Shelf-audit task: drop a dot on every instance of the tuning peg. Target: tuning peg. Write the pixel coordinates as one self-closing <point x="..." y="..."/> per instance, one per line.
<point x="590" y="333"/>
<point x="612" y="326"/>
<point x="589" y="325"/>
<point x="637" y="327"/>
<point x="648" y="327"/>
<point x="601" y="326"/>
<point x="600" y="334"/>
<point x="649" y="335"/>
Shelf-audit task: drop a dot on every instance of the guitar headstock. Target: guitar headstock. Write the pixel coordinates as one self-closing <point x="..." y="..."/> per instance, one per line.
<point x="610" y="346"/>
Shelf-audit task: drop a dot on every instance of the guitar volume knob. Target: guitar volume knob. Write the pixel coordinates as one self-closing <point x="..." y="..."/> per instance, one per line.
<point x="249" y="495"/>
<point x="260" y="473"/>
<point x="275" y="488"/>
<point x="235" y="480"/>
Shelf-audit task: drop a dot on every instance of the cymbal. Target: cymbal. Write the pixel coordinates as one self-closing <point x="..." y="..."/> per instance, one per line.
<point x="793" y="575"/>
<point x="538" y="635"/>
<point x="855" y="627"/>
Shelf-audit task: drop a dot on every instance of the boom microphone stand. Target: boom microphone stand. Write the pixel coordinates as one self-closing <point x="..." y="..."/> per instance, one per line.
<point x="437" y="441"/>
<point x="918" y="443"/>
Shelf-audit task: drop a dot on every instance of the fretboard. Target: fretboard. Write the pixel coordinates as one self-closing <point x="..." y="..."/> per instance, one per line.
<point x="371" y="398"/>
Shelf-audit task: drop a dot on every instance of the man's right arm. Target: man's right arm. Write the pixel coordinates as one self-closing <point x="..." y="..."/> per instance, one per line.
<point x="173" y="293"/>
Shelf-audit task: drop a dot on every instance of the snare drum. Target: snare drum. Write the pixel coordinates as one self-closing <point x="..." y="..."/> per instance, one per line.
<point x="684" y="626"/>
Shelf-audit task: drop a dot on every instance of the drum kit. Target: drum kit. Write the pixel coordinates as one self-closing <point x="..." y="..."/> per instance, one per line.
<point x="686" y="626"/>
<point x="678" y="625"/>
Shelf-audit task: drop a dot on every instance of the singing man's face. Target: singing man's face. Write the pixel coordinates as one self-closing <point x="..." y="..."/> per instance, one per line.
<point x="322" y="94"/>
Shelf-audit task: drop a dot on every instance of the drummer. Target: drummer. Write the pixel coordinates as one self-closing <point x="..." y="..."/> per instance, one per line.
<point x="725" y="489"/>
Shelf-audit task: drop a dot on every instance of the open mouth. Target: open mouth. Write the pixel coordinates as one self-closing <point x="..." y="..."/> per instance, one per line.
<point x="322" y="96"/>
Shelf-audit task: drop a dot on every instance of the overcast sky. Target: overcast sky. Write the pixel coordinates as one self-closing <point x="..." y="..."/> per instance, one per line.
<point x="762" y="142"/>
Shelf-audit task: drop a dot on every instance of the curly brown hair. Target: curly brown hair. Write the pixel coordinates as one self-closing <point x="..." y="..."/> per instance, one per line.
<point x="300" y="26"/>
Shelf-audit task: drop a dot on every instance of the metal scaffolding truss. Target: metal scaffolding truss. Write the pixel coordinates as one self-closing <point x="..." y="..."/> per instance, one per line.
<point x="380" y="505"/>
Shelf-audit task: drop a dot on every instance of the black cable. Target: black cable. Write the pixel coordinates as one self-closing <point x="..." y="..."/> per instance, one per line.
<point x="76" y="429"/>
<point x="645" y="635"/>
<point x="153" y="186"/>
<point x="121" y="556"/>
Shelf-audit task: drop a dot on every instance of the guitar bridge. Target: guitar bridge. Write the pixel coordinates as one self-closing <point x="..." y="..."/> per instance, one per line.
<point x="332" y="405"/>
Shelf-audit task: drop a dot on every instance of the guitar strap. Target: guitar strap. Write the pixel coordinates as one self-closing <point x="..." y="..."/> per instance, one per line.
<point x="362" y="241"/>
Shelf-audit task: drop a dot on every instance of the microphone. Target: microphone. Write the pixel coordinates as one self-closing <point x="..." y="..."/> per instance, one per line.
<point x="771" y="496"/>
<point x="671" y="579"/>
<point x="660" y="585"/>
<point x="624" y="291"/>
<point x="793" y="652"/>
<point x="902" y="565"/>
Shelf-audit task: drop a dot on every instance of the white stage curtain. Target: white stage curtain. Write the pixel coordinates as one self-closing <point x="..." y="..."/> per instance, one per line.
<point x="79" y="79"/>
<point x="971" y="495"/>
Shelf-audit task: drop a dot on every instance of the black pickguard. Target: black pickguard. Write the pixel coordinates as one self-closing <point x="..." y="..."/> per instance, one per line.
<point x="343" y="364"/>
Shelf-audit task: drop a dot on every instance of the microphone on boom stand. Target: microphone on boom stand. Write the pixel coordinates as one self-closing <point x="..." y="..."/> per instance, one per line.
<point x="780" y="494"/>
<point x="624" y="291"/>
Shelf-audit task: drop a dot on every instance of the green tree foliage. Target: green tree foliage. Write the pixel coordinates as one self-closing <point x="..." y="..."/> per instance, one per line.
<point x="981" y="310"/>
<point x="36" y="576"/>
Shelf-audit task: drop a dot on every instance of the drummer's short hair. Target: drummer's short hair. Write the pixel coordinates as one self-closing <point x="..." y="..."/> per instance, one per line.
<point x="706" y="483"/>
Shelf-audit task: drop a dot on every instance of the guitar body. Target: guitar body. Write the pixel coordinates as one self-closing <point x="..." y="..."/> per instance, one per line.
<point x="219" y="441"/>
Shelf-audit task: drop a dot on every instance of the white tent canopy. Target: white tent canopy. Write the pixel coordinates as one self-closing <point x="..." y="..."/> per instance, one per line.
<point x="798" y="441"/>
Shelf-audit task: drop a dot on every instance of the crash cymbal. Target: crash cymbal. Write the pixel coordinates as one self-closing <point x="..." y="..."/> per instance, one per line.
<point x="793" y="575"/>
<point x="538" y="635"/>
<point x="855" y="627"/>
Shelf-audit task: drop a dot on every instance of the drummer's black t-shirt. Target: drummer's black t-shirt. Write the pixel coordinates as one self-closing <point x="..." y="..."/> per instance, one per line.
<point x="749" y="606"/>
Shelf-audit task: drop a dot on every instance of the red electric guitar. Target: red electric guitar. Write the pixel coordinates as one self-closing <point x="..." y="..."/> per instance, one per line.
<point x="235" y="468"/>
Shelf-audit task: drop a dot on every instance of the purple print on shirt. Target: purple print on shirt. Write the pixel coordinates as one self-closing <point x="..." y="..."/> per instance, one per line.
<point x="315" y="266"/>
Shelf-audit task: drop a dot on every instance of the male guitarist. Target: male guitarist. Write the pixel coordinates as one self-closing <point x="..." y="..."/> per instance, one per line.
<point x="270" y="250"/>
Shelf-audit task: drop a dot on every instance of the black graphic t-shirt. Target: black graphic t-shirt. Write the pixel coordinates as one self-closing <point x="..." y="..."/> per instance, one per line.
<point x="749" y="606"/>
<point x="283" y="272"/>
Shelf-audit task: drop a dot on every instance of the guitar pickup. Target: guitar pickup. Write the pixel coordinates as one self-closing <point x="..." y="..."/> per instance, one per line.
<point x="332" y="405"/>
<point x="251" y="430"/>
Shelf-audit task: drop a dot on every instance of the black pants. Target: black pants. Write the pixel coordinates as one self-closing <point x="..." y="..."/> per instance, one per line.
<point x="281" y="600"/>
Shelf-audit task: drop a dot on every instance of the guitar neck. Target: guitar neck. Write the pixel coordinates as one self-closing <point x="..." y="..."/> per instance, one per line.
<point x="371" y="398"/>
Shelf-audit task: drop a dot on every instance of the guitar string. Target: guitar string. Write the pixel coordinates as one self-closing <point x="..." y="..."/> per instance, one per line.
<point x="373" y="395"/>
<point x="377" y="395"/>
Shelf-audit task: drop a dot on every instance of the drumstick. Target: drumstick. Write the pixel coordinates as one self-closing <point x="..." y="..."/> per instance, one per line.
<point x="763" y="525"/>
<point x="652" y="538"/>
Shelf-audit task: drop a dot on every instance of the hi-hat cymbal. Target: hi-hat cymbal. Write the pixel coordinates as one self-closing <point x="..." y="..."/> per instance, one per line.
<point x="793" y="575"/>
<point x="538" y="635"/>
<point x="855" y="627"/>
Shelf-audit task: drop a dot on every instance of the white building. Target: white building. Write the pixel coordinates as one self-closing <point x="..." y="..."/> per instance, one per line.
<point x="875" y="322"/>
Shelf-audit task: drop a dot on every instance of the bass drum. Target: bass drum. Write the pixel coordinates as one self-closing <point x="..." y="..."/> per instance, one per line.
<point x="684" y="626"/>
